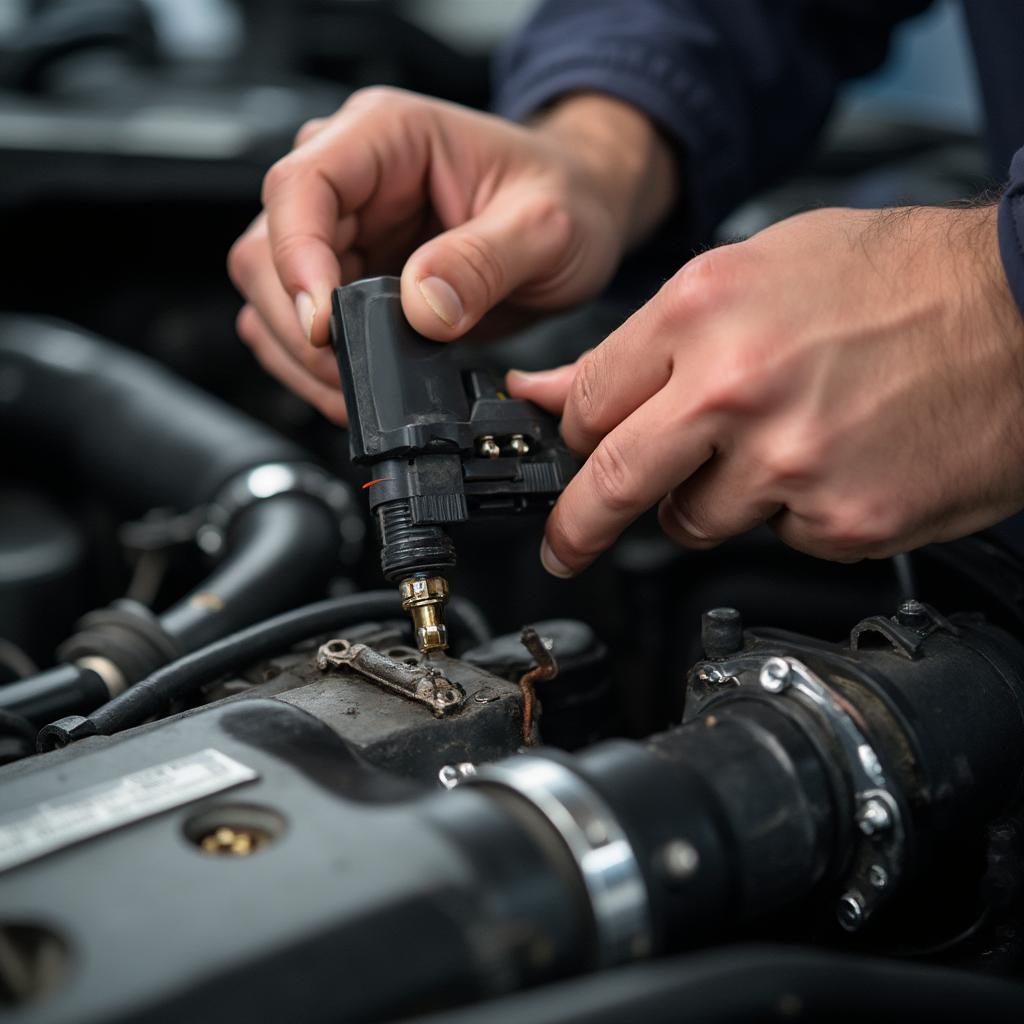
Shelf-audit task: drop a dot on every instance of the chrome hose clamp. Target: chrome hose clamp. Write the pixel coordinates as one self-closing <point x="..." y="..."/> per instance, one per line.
<point x="879" y="828"/>
<point x="604" y="856"/>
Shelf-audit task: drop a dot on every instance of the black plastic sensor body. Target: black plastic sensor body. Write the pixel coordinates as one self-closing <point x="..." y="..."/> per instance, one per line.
<point x="443" y="441"/>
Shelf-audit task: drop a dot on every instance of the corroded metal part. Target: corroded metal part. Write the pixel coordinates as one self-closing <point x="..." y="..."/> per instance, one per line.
<point x="418" y="682"/>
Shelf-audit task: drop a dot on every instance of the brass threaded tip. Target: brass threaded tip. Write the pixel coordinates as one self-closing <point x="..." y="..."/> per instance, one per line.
<point x="424" y="598"/>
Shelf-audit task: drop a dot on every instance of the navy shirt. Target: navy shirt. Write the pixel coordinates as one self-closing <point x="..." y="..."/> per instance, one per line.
<point x="744" y="86"/>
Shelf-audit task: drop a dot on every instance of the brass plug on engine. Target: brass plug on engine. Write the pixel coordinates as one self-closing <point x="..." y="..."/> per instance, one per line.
<point x="424" y="598"/>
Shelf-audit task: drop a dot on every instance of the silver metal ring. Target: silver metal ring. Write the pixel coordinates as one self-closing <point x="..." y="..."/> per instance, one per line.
<point x="603" y="854"/>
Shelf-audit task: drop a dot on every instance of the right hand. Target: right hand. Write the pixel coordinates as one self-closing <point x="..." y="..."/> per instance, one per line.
<point x="472" y="209"/>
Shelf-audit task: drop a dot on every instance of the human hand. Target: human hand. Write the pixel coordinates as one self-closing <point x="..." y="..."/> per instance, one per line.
<point x="853" y="378"/>
<point x="470" y="208"/>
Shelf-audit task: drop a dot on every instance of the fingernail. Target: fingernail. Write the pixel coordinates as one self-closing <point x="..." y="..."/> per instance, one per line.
<point x="305" y="310"/>
<point x="532" y="376"/>
<point x="443" y="299"/>
<point x="552" y="564"/>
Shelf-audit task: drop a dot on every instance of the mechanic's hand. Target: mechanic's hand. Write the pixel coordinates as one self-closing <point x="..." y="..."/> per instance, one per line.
<point x="854" y="378"/>
<point x="487" y="209"/>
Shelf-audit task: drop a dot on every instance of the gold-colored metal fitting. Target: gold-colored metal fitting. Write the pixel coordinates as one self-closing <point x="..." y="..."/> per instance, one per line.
<point x="232" y="842"/>
<point x="424" y="599"/>
<point x="519" y="445"/>
<point x="488" y="446"/>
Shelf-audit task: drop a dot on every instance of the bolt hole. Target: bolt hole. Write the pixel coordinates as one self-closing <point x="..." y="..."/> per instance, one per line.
<point x="34" y="962"/>
<point x="234" y="831"/>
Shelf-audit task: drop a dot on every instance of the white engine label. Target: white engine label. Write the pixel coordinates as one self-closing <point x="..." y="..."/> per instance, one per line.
<point x="39" y="830"/>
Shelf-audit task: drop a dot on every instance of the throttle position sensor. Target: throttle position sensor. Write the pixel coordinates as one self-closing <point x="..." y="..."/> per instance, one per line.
<point x="443" y="441"/>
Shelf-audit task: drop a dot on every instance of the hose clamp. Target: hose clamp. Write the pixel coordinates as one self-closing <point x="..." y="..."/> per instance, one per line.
<point x="271" y="480"/>
<point x="598" y="844"/>
<point x="879" y="847"/>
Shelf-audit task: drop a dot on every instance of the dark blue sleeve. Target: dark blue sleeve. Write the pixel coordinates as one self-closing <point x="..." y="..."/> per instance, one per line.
<point x="743" y="86"/>
<point x="1011" y="229"/>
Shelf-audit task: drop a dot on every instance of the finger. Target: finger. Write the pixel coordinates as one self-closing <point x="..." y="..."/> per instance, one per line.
<point x="255" y="275"/>
<point x="277" y="361"/>
<point x="305" y="195"/>
<point x="546" y="388"/>
<point x="309" y="130"/>
<point x="722" y="499"/>
<point x="450" y="282"/>
<point x="613" y="380"/>
<point x="636" y="464"/>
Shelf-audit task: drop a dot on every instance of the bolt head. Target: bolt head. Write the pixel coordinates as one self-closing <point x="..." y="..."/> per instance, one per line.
<point x="774" y="675"/>
<point x="679" y="859"/>
<point x="878" y="876"/>
<point x="850" y="911"/>
<point x="451" y="775"/>
<point x="873" y="817"/>
<point x="912" y="614"/>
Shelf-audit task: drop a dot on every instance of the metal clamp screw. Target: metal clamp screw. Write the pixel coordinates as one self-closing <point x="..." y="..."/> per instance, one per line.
<point x="774" y="675"/>
<point x="451" y="775"/>
<point x="679" y="859"/>
<point x="873" y="817"/>
<point x="850" y="911"/>
<point x="878" y="876"/>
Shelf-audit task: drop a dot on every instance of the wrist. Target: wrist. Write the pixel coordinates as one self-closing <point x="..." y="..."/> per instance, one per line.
<point x="622" y="154"/>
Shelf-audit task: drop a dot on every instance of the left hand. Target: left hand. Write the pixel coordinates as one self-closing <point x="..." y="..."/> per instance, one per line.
<point x="853" y="378"/>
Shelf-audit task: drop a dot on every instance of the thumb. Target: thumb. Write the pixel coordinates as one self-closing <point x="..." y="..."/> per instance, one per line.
<point x="450" y="282"/>
<point x="548" y="388"/>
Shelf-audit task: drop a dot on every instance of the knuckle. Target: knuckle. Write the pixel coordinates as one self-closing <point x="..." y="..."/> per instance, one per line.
<point x="612" y="477"/>
<point x="280" y="174"/>
<point x="706" y="283"/>
<point x="741" y="378"/>
<point x="584" y="395"/>
<point x="483" y="265"/>
<point x="245" y="325"/>
<point x="372" y="97"/>
<point x="545" y="214"/>
<point x="858" y="528"/>
<point x="795" y="460"/>
<point x="287" y="251"/>
<point x="308" y="130"/>
<point x="241" y="259"/>
<point x="567" y="537"/>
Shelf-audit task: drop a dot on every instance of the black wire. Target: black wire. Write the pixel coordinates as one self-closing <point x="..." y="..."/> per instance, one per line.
<point x="152" y="696"/>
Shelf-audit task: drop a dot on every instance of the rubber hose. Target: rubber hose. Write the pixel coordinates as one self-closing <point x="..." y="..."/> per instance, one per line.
<point x="759" y="983"/>
<point x="122" y="421"/>
<point x="183" y="677"/>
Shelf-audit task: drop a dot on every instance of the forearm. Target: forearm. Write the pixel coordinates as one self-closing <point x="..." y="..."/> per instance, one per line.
<point x="741" y="87"/>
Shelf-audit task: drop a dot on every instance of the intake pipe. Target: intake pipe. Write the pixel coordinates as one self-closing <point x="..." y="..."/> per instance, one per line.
<point x="134" y="430"/>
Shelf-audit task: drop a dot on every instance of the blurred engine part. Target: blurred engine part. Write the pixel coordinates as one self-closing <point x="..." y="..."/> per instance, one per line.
<point x="280" y="524"/>
<point x="838" y="786"/>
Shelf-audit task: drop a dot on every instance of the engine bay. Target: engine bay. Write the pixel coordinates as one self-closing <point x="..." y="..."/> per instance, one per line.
<point x="212" y="807"/>
<point x="293" y="724"/>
